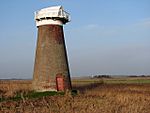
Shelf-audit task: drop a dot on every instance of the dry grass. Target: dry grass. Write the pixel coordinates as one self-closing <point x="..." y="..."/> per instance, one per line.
<point x="92" y="98"/>
<point x="9" y="87"/>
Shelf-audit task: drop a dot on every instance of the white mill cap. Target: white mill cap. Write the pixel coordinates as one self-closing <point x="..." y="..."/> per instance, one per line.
<point x="52" y="15"/>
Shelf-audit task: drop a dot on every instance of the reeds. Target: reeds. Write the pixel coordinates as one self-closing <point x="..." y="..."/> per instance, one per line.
<point x="94" y="98"/>
<point x="8" y="88"/>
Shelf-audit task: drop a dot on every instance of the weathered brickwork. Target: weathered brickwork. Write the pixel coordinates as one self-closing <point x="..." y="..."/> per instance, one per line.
<point x="51" y="59"/>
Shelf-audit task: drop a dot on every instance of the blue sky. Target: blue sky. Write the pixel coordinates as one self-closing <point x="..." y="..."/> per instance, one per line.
<point x="103" y="37"/>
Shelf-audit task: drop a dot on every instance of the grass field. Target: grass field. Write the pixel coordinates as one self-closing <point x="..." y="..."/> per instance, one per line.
<point x="114" y="80"/>
<point x="114" y="95"/>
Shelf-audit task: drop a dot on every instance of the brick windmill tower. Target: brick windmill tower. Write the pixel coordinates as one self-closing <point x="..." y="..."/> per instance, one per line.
<point x="51" y="70"/>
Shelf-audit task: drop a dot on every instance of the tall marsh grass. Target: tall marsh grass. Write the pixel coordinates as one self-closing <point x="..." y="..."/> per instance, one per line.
<point x="91" y="98"/>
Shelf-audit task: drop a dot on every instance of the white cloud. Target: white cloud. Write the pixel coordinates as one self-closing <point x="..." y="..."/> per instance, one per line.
<point x="144" y="22"/>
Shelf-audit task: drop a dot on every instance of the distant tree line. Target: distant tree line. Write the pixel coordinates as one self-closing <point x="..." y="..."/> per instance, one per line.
<point x="109" y="76"/>
<point x="101" y="76"/>
<point x="139" y="76"/>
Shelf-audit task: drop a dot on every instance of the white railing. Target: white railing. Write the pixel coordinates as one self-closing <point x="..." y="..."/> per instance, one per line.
<point x="45" y="14"/>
